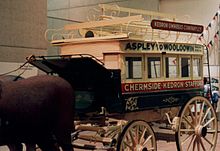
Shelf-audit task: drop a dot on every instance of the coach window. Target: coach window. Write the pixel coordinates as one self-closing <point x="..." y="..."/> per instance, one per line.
<point x="185" y="67"/>
<point x="171" y="65"/>
<point x="196" y="67"/>
<point x="133" y="67"/>
<point x="154" y="67"/>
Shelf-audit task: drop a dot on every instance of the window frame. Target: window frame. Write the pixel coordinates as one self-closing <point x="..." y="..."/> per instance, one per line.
<point x="125" y="67"/>
<point x="200" y="67"/>
<point x="177" y="66"/>
<point x="161" y="66"/>
<point x="190" y="66"/>
<point x="144" y="67"/>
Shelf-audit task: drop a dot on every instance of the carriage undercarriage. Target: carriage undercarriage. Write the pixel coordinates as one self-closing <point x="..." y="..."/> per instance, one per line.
<point x="190" y="130"/>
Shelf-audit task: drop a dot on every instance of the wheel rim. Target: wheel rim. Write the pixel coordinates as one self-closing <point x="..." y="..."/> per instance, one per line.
<point x="137" y="136"/>
<point x="198" y="126"/>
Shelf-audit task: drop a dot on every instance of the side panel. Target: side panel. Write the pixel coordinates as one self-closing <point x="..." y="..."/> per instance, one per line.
<point x="155" y="95"/>
<point x="158" y="100"/>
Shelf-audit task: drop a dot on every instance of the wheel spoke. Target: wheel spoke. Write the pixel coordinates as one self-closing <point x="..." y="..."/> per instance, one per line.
<point x="198" y="144"/>
<point x="191" y="114"/>
<point x="211" y="131"/>
<point x="195" y="106"/>
<point x="206" y="113"/>
<point x="186" y="139"/>
<point x="192" y="140"/>
<point x="126" y="144"/>
<point x="132" y="138"/>
<point x="208" y="141"/>
<point x="203" y="147"/>
<point x="142" y="136"/>
<point x="194" y="143"/>
<point x="145" y="142"/>
<point x="190" y="123"/>
<point x="137" y="135"/>
<point x="152" y="148"/>
<point x="213" y="118"/>
<point x="187" y="130"/>
<point x="201" y="112"/>
<point x="127" y="138"/>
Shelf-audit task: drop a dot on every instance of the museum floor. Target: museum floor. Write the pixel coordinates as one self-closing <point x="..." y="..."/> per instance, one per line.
<point x="161" y="145"/>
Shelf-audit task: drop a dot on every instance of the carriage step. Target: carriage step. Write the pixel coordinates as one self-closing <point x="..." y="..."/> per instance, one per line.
<point x="91" y="147"/>
<point x="90" y="128"/>
<point x="94" y="138"/>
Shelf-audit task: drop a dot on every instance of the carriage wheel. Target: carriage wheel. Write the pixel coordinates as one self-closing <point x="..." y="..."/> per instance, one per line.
<point x="198" y="126"/>
<point x="137" y="136"/>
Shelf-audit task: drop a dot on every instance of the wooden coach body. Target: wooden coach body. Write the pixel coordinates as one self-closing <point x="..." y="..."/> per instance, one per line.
<point x="124" y="75"/>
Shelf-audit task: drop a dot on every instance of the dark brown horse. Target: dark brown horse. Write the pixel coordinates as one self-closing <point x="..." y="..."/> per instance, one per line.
<point x="37" y="110"/>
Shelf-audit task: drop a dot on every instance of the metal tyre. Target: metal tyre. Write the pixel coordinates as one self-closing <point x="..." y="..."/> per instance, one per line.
<point x="137" y="136"/>
<point x="198" y="127"/>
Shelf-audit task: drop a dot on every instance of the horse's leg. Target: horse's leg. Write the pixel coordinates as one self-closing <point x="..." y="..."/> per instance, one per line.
<point x="15" y="147"/>
<point x="48" y="147"/>
<point x="67" y="147"/>
<point x="64" y="128"/>
<point x="64" y="140"/>
<point x="30" y="147"/>
<point x="48" y="143"/>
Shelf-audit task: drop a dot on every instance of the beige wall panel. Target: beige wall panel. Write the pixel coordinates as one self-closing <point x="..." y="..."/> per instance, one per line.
<point x="151" y="5"/>
<point x="57" y="4"/>
<point x="25" y="72"/>
<point x="79" y="10"/>
<point x="15" y="54"/>
<point x="196" y="11"/>
<point x="23" y="24"/>
<point x="74" y="3"/>
<point x="78" y="14"/>
<point x="60" y="13"/>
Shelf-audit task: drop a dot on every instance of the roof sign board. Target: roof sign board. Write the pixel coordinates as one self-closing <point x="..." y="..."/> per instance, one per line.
<point x="176" y="26"/>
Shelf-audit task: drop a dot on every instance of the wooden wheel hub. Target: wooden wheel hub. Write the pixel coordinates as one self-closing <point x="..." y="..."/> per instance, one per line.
<point x="201" y="131"/>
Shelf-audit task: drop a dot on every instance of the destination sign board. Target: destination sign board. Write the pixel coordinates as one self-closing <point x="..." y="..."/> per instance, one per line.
<point x="152" y="47"/>
<point x="176" y="26"/>
<point x="161" y="85"/>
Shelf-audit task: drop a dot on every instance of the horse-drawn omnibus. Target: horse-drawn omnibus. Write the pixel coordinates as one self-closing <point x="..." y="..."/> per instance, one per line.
<point x="128" y="78"/>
